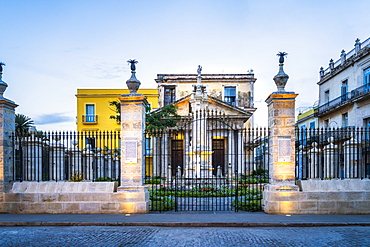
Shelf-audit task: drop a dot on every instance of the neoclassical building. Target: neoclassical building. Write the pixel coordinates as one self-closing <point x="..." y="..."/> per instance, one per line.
<point x="209" y="141"/>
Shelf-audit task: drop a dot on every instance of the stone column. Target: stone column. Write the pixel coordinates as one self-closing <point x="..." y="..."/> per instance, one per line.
<point x="32" y="158"/>
<point x="7" y="127"/>
<point x="100" y="164"/>
<point x="75" y="161"/>
<point x="57" y="161"/>
<point x="135" y="194"/>
<point x="279" y="194"/>
<point x="315" y="165"/>
<point x="281" y="108"/>
<point x="351" y="158"/>
<point x="116" y="165"/>
<point x="331" y="159"/>
<point x="88" y="164"/>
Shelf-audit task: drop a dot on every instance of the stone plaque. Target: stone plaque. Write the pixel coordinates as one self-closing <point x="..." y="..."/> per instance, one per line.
<point x="131" y="151"/>
<point x="284" y="149"/>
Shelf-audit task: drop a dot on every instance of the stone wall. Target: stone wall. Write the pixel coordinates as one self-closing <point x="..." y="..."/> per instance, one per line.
<point x="68" y="198"/>
<point x="321" y="197"/>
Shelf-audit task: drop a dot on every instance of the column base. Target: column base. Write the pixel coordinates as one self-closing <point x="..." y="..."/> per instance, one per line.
<point x="136" y="199"/>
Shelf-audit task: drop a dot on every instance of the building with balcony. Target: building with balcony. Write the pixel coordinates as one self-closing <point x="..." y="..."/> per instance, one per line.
<point x="211" y="138"/>
<point x="94" y="111"/>
<point x="344" y="89"/>
<point x="231" y="90"/>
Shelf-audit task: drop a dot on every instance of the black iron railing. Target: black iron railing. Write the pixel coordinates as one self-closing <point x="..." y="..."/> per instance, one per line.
<point x="206" y="163"/>
<point x="344" y="99"/>
<point x="67" y="156"/>
<point x="333" y="153"/>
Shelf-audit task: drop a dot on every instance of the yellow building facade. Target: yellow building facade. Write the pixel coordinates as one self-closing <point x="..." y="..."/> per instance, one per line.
<point x="94" y="111"/>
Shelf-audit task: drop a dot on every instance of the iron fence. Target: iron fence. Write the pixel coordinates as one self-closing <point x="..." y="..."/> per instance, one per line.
<point x="209" y="162"/>
<point x="333" y="153"/>
<point x="66" y="156"/>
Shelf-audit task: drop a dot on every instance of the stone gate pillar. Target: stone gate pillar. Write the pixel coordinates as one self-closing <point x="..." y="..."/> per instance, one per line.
<point x="281" y="109"/>
<point x="133" y="107"/>
<point x="7" y="127"/>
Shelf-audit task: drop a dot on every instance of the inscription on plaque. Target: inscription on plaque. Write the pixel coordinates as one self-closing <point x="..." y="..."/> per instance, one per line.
<point x="131" y="151"/>
<point x="284" y="149"/>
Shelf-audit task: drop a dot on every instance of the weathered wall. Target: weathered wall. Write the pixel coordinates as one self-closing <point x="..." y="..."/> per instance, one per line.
<point x="322" y="197"/>
<point x="68" y="198"/>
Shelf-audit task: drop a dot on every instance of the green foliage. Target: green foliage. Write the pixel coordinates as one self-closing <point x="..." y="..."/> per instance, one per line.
<point x="162" y="199"/>
<point x="252" y="180"/>
<point x="206" y="191"/>
<point x="166" y="117"/>
<point x="260" y="172"/>
<point x="257" y="176"/>
<point x="23" y="124"/>
<point x="246" y="204"/>
<point x="162" y="203"/>
<point x="153" y="181"/>
<point x="103" y="179"/>
<point x="116" y="107"/>
<point x="76" y="177"/>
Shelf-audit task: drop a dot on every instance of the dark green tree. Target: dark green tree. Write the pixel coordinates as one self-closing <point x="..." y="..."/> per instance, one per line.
<point x="163" y="118"/>
<point x="116" y="107"/>
<point x="23" y="124"/>
<point x="166" y="117"/>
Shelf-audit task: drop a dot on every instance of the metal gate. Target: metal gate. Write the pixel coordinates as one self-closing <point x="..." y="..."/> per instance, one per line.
<point x="207" y="163"/>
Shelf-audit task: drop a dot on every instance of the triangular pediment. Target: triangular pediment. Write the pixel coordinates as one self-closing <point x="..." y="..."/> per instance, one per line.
<point x="213" y="104"/>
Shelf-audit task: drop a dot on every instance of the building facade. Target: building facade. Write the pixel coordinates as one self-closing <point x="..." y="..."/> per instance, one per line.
<point x="94" y="111"/>
<point x="208" y="140"/>
<point x="235" y="90"/>
<point x="344" y="98"/>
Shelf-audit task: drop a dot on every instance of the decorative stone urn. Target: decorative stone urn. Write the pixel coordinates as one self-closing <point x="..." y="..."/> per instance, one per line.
<point x="133" y="84"/>
<point x="281" y="78"/>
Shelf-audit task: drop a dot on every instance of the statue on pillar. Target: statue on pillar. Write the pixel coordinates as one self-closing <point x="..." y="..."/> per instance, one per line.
<point x="281" y="78"/>
<point x="133" y="84"/>
<point x="199" y="70"/>
<point x="281" y="54"/>
<point x="3" y="84"/>
<point x="1" y="66"/>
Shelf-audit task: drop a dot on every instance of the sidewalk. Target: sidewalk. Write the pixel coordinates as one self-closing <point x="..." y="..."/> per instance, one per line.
<point x="184" y="219"/>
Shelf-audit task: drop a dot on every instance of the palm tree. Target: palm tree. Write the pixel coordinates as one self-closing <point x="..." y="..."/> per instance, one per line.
<point x="22" y="124"/>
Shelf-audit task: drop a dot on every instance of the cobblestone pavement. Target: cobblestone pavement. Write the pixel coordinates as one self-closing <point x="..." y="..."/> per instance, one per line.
<point x="180" y="236"/>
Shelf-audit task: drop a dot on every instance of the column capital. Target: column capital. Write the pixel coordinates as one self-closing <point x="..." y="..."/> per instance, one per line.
<point x="278" y="96"/>
<point x="133" y="99"/>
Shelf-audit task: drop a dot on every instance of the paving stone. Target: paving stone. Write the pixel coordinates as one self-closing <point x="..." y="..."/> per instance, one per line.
<point x="181" y="236"/>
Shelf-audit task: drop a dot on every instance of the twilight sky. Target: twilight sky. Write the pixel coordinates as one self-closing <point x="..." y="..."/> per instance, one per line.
<point x="53" y="47"/>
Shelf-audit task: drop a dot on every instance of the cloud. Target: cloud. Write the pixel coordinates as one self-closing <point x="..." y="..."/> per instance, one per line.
<point x="52" y="119"/>
<point x="106" y="71"/>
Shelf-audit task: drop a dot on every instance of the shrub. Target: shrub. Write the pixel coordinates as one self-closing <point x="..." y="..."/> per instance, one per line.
<point x="103" y="179"/>
<point x="76" y="177"/>
<point x="247" y="205"/>
<point x="153" y="181"/>
<point x="162" y="203"/>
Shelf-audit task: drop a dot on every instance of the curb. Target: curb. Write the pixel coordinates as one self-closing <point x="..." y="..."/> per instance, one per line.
<point x="186" y="224"/>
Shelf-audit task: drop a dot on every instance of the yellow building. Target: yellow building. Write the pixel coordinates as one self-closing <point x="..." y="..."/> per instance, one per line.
<point x="94" y="111"/>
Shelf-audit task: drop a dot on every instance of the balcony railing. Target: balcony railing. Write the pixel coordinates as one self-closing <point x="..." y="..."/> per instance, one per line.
<point x="90" y="119"/>
<point x="348" y="55"/>
<point x="341" y="100"/>
<point x="345" y="99"/>
<point x="360" y="91"/>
